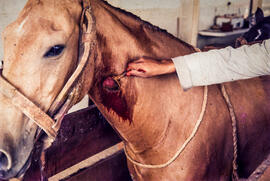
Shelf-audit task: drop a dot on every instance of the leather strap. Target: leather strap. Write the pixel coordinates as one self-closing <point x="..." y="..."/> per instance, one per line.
<point x="86" y="31"/>
<point x="27" y="107"/>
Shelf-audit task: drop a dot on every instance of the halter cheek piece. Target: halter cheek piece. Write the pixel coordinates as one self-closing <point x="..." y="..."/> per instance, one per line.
<point x="50" y="123"/>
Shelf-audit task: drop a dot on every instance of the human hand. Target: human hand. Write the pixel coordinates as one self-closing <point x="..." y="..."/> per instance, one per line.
<point x="147" y="67"/>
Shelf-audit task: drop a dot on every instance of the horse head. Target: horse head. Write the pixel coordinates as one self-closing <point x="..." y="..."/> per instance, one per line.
<point x="41" y="51"/>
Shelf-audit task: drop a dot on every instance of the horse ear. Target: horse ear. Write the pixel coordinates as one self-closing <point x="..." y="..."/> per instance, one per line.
<point x="259" y="15"/>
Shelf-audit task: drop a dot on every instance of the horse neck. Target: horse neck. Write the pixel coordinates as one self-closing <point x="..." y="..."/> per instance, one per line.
<point x="154" y="105"/>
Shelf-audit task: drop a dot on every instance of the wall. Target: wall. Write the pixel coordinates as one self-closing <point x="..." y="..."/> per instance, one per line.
<point x="176" y="16"/>
<point x="9" y="10"/>
<point x="266" y="7"/>
<point x="210" y="8"/>
<point x="163" y="13"/>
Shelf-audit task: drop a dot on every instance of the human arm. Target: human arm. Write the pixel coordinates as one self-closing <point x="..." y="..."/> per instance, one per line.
<point x="148" y="67"/>
<point x="223" y="65"/>
<point x="216" y="66"/>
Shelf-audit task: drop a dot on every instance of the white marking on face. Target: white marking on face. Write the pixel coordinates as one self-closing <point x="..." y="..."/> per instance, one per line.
<point x="20" y="28"/>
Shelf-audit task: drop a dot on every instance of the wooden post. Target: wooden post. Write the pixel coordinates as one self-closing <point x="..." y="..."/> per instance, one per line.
<point x="189" y="21"/>
<point x="256" y="4"/>
<point x="177" y="26"/>
<point x="195" y="22"/>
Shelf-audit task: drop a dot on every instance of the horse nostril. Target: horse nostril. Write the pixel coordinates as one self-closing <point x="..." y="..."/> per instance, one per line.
<point x="5" y="161"/>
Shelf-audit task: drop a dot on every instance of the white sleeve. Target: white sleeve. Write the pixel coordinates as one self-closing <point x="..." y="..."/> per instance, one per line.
<point x="228" y="64"/>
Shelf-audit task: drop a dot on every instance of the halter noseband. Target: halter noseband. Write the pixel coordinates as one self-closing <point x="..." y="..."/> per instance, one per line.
<point x="67" y="96"/>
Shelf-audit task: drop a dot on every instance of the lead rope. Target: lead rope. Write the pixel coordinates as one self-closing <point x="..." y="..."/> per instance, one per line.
<point x="195" y="130"/>
<point x="234" y="132"/>
<point x="260" y="170"/>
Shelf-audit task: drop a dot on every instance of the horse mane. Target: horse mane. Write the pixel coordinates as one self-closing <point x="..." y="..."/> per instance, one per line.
<point x="145" y="23"/>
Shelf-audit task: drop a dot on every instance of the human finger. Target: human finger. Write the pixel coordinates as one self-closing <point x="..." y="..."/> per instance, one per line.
<point x="136" y="73"/>
<point x="138" y="67"/>
<point x="140" y="60"/>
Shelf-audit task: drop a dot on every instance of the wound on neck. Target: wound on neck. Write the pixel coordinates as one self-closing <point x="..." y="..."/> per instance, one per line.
<point x="113" y="99"/>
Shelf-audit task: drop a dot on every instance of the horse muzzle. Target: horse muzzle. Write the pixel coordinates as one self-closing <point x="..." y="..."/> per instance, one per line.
<point x="6" y="167"/>
<point x="5" y="162"/>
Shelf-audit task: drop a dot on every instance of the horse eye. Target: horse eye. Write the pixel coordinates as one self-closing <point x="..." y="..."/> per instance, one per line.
<point x="54" y="51"/>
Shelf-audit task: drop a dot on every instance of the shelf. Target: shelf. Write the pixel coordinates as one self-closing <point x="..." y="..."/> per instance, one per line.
<point x="215" y="33"/>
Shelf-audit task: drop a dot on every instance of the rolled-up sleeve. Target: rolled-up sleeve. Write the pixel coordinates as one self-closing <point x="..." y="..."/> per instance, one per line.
<point x="224" y="65"/>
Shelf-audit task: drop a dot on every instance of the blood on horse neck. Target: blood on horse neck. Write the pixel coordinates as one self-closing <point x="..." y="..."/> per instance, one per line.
<point x="115" y="101"/>
<point x="122" y="37"/>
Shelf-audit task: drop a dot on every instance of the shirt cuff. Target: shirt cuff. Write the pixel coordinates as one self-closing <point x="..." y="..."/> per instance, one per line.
<point x="183" y="72"/>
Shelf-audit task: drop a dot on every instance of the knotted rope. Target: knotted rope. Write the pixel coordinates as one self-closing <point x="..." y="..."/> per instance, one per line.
<point x="234" y="131"/>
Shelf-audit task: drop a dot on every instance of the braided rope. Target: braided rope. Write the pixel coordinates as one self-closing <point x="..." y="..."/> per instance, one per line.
<point x="260" y="170"/>
<point x="195" y="130"/>
<point x="234" y="131"/>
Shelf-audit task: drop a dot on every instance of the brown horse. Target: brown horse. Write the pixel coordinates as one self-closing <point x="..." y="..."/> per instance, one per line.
<point x="153" y="116"/>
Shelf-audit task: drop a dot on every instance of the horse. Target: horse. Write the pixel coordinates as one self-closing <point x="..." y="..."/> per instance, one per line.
<point x="91" y="43"/>
<point x="258" y="32"/>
